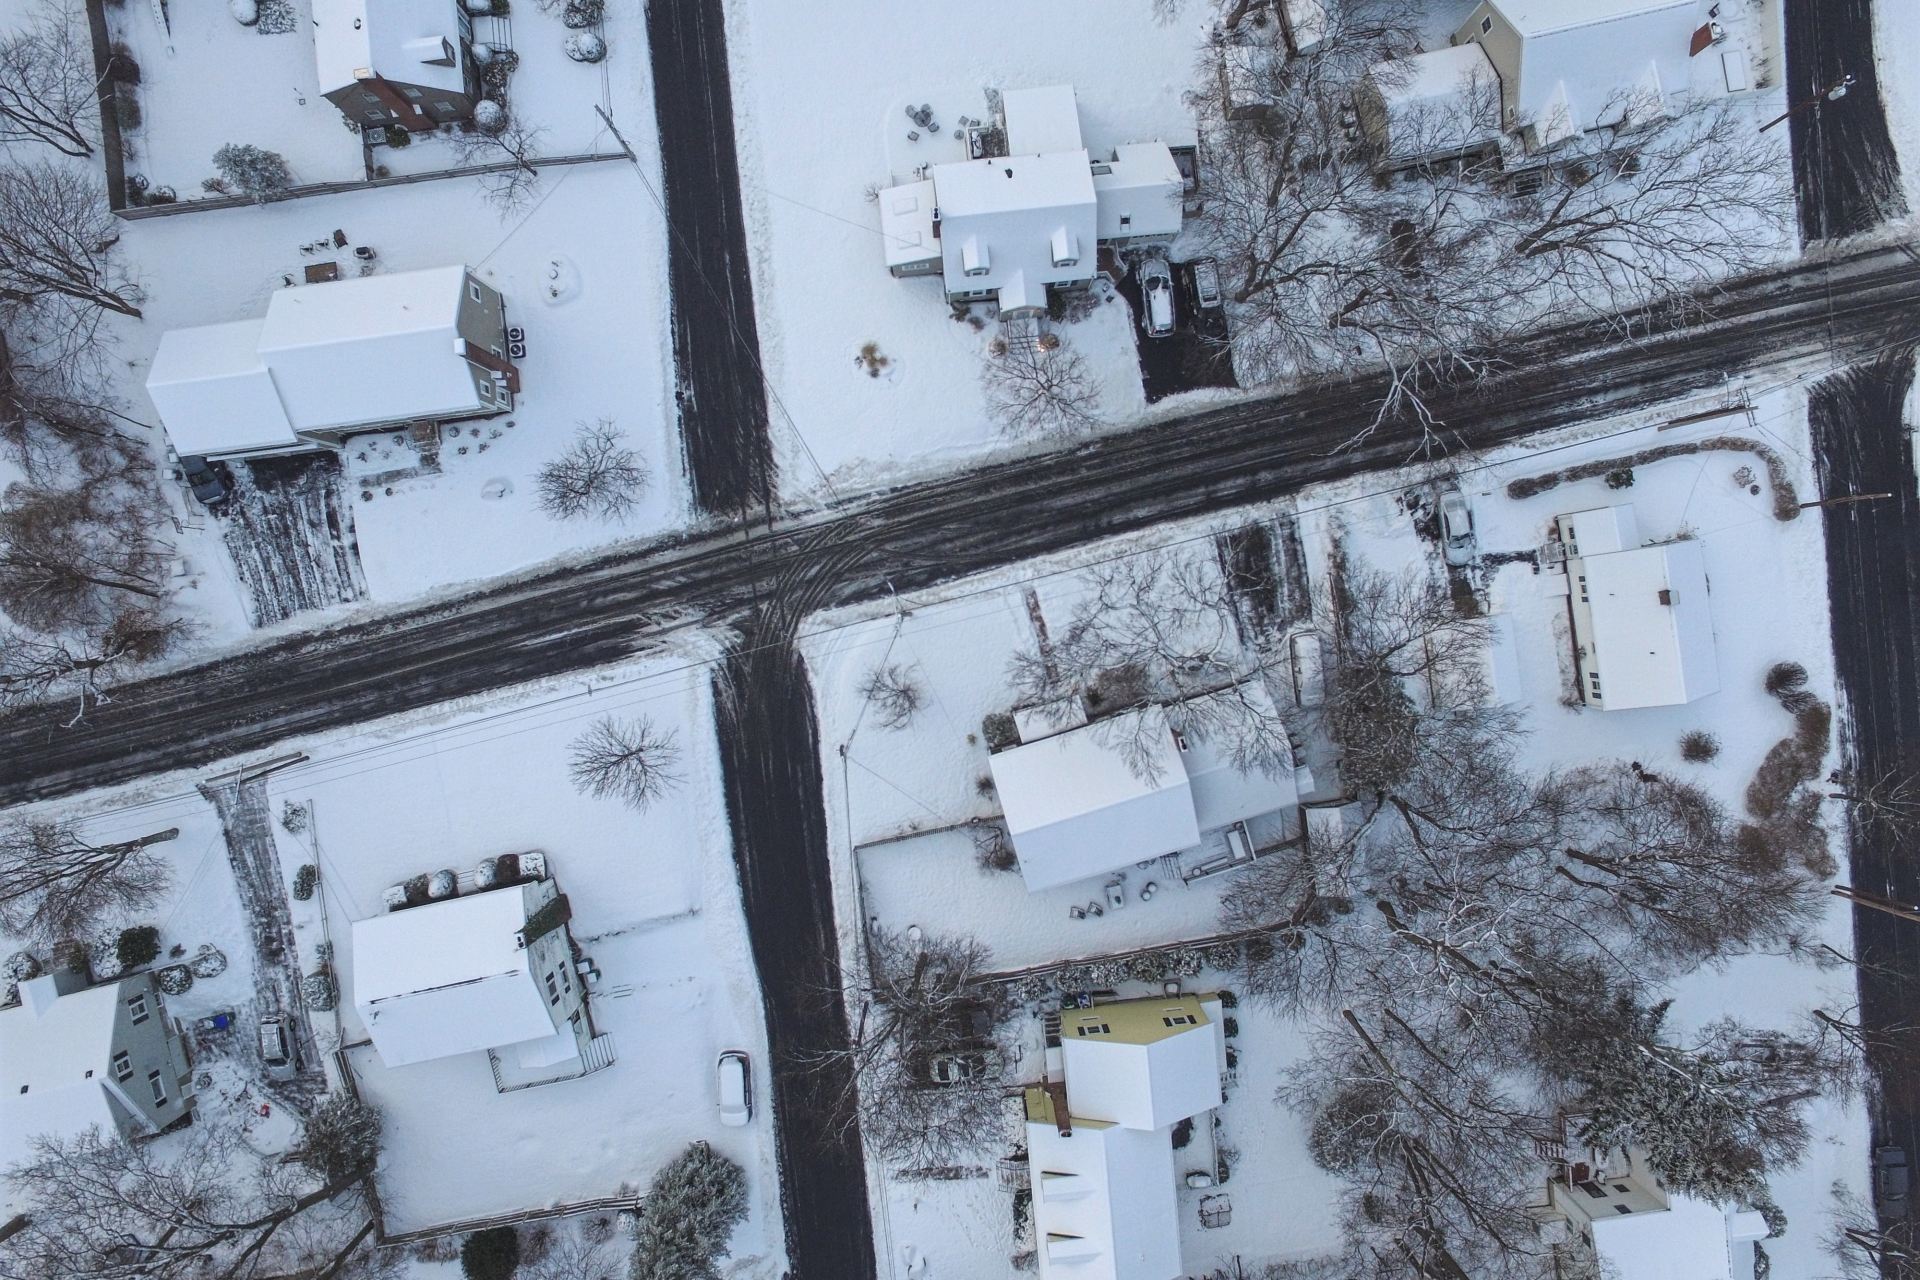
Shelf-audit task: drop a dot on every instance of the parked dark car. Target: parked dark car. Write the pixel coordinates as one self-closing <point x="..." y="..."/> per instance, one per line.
<point x="1890" y="1180"/>
<point x="211" y="482"/>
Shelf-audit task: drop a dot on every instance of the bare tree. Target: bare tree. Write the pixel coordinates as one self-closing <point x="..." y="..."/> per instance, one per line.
<point x="48" y="92"/>
<point x="513" y="154"/>
<point x="1038" y="393"/>
<point x="1862" y="1248"/>
<point x="628" y="760"/>
<point x="56" y="241"/>
<point x="55" y="885"/>
<point x="574" y="1257"/>
<point x="36" y="669"/>
<point x="597" y="475"/>
<point x="894" y="693"/>
<point x="76" y="556"/>
<point x="1158" y="628"/>
<point x="98" y="1208"/>
<point x="921" y="1073"/>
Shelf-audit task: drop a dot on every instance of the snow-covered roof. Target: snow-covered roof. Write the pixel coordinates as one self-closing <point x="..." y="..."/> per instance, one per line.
<point x="1689" y="1240"/>
<point x="1142" y="184"/>
<point x="1652" y="633"/>
<point x="397" y="40"/>
<point x="1222" y="794"/>
<point x="374" y="349"/>
<point x="1041" y="120"/>
<point x="1581" y="60"/>
<point x="1599" y="530"/>
<point x="1438" y="100"/>
<point x="214" y="393"/>
<point x="906" y="224"/>
<point x="1104" y="1203"/>
<point x="55" y="1052"/>
<point x="1075" y="810"/>
<point x="1156" y="1063"/>
<point x="449" y="977"/>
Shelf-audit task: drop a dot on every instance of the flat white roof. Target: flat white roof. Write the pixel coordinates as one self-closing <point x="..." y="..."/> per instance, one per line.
<point x="1650" y="653"/>
<point x="1541" y="17"/>
<point x="1041" y="120"/>
<point x="214" y="394"/>
<point x="1141" y="184"/>
<point x="1104" y="1203"/>
<point x="1599" y="530"/>
<point x="379" y="348"/>
<point x="1690" y="1240"/>
<point x="449" y="977"/>
<point x="1075" y="810"/>
<point x="383" y="36"/>
<point x="906" y="223"/>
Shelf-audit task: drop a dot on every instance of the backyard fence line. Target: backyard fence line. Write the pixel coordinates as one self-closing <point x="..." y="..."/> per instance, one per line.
<point x="515" y="1218"/>
<point x="1005" y="976"/>
<point x="107" y="90"/>
<point x="902" y="837"/>
<point x="137" y="212"/>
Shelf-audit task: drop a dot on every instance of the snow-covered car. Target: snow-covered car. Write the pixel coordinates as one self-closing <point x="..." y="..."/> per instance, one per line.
<point x="1206" y="283"/>
<point x="1456" y="527"/>
<point x="208" y="480"/>
<point x="1156" y="291"/>
<point x="735" y="1088"/>
<point x="956" y="1068"/>
<point x="276" y="1049"/>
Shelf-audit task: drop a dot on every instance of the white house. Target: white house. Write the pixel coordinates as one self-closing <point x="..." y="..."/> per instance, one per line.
<point x="1433" y="105"/>
<point x="328" y="359"/>
<point x="489" y="971"/>
<point x="1012" y="227"/>
<point x="1076" y="806"/>
<point x="1568" y="66"/>
<point x="1642" y="631"/>
<point x="1641" y="1231"/>
<point x="401" y="63"/>
<point x="1100" y="1134"/>
<point x="74" y="1057"/>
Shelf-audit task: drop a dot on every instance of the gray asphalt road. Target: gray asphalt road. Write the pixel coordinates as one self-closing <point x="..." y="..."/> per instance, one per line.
<point x="921" y="534"/>
<point x="1845" y="170"/>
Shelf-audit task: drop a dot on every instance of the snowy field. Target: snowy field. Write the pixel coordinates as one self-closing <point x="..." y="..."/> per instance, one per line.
<point x="820" y="283"/>
<point x="1768" y="604"/>
<point x="655" y="905"/>
<point x="1896" y="34"/>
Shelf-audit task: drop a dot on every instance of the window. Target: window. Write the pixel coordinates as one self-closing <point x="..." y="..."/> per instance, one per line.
<point x="573" y="1019"/>
<point x="1181" y="1020"/>
<point x="443" y="106"/>
<point x="473" y="291"/>
<point x="1092" y="1029"/>
<point x="25" y="1087"/>
<point x="566" y="978"/>
<point x="159" y="1087"/>
<point x="122" y="1066"/>
<point x="89" y="1075"/>
<point x="1621" y="1208"/>
<point x="1621" y="1187"/>
<point x="413" y="95"/>
<point x="1486" y="25"/>
<point x="137" y="1008"/>
<point x="485" y="389"/>
<point x="553" y="990"/>
<point x="1126" y="220"/>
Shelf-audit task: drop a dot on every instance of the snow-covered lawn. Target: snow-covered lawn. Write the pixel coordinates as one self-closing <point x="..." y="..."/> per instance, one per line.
<point x="811" y="146"/>
<point x="1896" y="33"/>
<point x="600" y="349"/>
<point x="655" y="904"/>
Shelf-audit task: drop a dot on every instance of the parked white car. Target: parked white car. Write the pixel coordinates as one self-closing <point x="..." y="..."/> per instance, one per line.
<point x="1456" y="527"/>
<point x="276" y="1049"/>
<point x="735" y="1088"/>
<point x="1156" y="291"/>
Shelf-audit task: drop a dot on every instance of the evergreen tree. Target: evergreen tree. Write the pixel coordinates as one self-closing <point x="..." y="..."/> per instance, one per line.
<point x="690" y="1211"/>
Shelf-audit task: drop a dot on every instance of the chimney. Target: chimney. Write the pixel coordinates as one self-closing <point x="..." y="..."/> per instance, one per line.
<point x="1666" y="596"/>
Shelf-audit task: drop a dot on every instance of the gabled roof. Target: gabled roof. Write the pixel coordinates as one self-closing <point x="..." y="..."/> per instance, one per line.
<point x="1543" y="17"/>
<point x="449" y="977"/>
<point x="1652" y="629"/>
<point x="214" y="393"/>
<point x="1074" y="809"/>
<point x="1104" y="1203"/>
<point x="1440" y="100"/>
<point x="386" y="37"/>
<point x="1689" y="1240"/>
<point x="374" y="349"/>
<point x="1150" y="1068"/>
<point x="55" y="1054"/>
<point x="1583" y="60"/>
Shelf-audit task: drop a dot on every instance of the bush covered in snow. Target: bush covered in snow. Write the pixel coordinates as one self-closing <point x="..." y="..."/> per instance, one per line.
<point x="342" y="1138"/>
<point x="175" y="979"/>
<point x="586" y="46"/>
<point x="20" y="967"/>
<point x="253" y="170"/>
<point x="245" y="12"/>
<point x="489" y="116"/>
<point x="137" y="947"/>
<point x="303" y="881"/>
<point x="319" y="990"/>
<point x="688" y="1215"/>
<point x="580" y="14"/>
<point x="208" y="962"/>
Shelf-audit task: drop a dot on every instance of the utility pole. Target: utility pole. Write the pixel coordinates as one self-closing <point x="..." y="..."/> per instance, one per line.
<point x="1844" y="499"/>
<point x="1877" y="902"/>
<point x="1832" y="93"/>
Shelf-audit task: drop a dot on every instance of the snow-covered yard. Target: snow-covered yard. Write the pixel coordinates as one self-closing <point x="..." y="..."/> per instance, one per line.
<point x="809" y="150"/>
<point x="655" y="905"/>
<point x="588" y="289"/>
